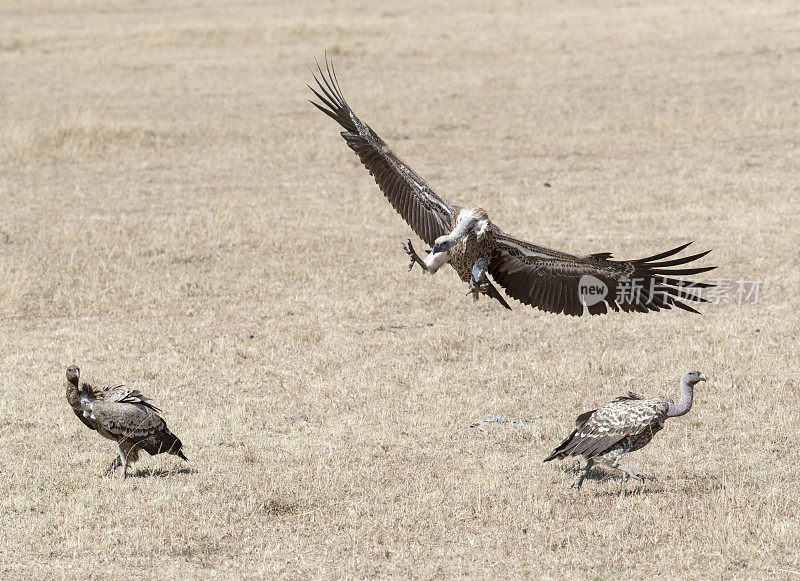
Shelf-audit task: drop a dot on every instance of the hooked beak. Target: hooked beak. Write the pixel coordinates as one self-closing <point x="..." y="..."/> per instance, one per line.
<point x="702" y="377"/>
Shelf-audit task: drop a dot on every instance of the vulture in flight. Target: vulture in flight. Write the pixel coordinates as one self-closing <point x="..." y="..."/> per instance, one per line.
<point x="470" y="242"/>
<point x="123" y="415"/>
<point x="624" y="425"/>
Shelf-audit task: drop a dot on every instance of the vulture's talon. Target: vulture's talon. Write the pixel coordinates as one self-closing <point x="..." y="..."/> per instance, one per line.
<point x="413" y="256"/>
<point x="476" y="288"/>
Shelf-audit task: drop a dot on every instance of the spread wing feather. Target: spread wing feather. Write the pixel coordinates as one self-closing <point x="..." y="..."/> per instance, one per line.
<point x="429" y="214"/>
<point x="549" y="279"/>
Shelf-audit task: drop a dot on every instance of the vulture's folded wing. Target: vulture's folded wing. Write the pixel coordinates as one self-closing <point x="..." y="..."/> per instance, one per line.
<point x="137" y="422"/>
<point x="125" y="394"/>
<point x="127" y="420"/>
<point x="429" y="214"/>
<point x="610" y="424"/>
<point x="557" y="282"/>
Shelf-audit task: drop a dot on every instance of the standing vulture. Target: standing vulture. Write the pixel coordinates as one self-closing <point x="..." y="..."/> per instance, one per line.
<point x="624" y="425"/>
<point x="123" y="415"/>
<point x="538" y="276"/>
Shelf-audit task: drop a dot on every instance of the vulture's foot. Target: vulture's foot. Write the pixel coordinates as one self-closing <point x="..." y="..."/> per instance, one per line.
<point x="413" y="256"/>
<point x="576" y="484"/>
<point x="476" y="288"/>
<point x="478" y="281"/>
<point x="631" y="473"/>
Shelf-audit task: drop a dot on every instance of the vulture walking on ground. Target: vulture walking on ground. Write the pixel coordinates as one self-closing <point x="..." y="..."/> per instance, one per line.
<point x="624" y="425"/>
<point x="538" y="276"/>
<point x="124" y="415"/>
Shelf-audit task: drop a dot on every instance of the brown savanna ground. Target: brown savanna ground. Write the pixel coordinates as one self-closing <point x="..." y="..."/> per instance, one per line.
<point x="176" y="215"/>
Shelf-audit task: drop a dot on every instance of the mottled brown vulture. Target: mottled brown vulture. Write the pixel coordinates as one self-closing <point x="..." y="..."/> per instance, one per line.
<point x="124" y="415"/>
<point x="624" y="425"/>
<point x="476" y="248"/>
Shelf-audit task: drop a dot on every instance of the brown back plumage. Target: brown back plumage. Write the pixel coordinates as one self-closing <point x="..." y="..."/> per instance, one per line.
<point x="629" y="416"/>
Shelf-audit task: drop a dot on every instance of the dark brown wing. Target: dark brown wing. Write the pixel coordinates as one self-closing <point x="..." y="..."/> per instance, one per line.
<point x="596" y="431"/>
<point x="136" y="422"/>
<point x="127" y="420"/>
<point x="558" y="282"/>
<point x="428" y="213"/>
<point x="163" y="441"/>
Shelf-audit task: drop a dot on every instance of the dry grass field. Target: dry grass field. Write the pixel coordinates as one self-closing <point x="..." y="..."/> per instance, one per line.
<point x="176" y="215"/>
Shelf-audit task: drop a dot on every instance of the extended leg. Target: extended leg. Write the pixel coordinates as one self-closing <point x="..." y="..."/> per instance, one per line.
<point x="115" y="463"/>
<point x="582" y="474"/>
<point x="124" y="470"/>
<point x="415" y="259"/>
<point x="478" y="282"/>
<point x="613" y="462"/>
<point x="432" y="263"/>
<point x="631" y="473"/>
<point x="128" y="454"/>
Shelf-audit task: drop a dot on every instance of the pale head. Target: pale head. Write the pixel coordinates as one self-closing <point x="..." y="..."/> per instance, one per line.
<point x="466" y="220"/>
<point x="693" y="377"/>
<point x="73" y="374"/>
<point x="443" y="244"/>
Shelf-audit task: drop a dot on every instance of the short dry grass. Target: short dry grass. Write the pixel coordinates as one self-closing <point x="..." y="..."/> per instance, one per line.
<point x="176" y="215"/>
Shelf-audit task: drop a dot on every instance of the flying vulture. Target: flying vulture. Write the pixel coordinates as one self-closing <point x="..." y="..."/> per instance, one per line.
<point x="542" y="277"/>
<point x="624" y="425"/>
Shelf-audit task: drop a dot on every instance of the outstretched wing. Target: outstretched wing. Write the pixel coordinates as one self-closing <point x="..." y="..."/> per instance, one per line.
<point x="598" y="430"/>
<point x="428" y="213"/>
<point x="558" y="282"/>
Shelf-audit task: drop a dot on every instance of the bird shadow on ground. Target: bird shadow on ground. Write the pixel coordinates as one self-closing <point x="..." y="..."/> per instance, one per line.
<point x="701" y="483"/>
<point x="161" y="472"/>
<point x="696" y="484"/>
<point x="599" y="475"/>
